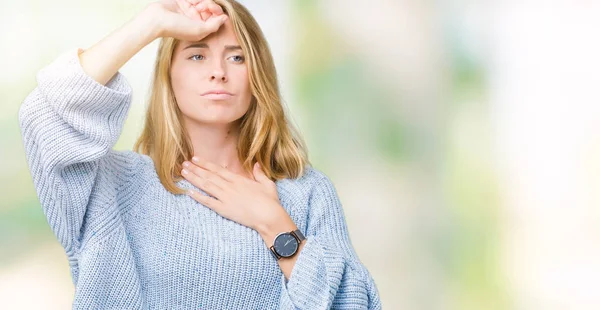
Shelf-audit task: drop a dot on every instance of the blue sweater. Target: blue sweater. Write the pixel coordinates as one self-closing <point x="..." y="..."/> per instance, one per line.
<point x="131" y="244"/>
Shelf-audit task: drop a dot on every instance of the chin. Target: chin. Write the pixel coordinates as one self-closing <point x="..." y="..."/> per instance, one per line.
<point x="213" y="112"/>
<point x="215" y="119"/>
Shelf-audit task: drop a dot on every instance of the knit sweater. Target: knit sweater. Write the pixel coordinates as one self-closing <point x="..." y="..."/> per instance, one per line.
<point x="131" y="244"/>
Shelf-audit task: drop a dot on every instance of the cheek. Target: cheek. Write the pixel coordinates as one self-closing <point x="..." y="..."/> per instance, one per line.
<point x="182" y="78"/>
<point x="185" y="85"/>
<point x="244" y="86"/>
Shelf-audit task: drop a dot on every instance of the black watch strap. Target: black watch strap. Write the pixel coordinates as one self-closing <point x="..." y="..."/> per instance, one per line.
<point x="298" y="234"/>
<point x="275" y="255"/>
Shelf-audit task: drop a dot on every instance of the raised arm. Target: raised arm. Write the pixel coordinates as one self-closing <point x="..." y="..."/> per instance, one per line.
<point x="71" y="120"/>
<point x="74" y="116"/>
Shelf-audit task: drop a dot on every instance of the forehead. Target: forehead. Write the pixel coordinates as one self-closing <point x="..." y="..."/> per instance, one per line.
<point x="222" y="37"/>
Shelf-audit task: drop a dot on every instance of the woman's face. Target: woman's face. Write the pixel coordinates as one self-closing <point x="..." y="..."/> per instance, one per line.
<point x="210" y="78"/>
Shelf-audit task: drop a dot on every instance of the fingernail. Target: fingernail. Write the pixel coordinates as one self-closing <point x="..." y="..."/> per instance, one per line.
<point x="186" y="164"/>
<point x="185" y="171"/>
<point x="195" y="159"/>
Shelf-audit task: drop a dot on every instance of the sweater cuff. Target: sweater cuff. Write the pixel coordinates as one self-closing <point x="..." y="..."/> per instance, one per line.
<point x="66" y="86"/>
<point x="315" y="277"/>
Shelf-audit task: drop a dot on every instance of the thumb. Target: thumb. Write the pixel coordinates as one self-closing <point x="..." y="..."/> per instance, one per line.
<point x="212" y="24"/>
<point x="259" y="174"/>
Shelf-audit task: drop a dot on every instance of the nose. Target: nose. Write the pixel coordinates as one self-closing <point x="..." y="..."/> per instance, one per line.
<point x="218" y="76"/>
<point x="218" y="72"/>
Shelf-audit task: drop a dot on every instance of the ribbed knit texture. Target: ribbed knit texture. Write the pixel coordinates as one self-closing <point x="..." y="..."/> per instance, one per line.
<point x="131" y="244"/>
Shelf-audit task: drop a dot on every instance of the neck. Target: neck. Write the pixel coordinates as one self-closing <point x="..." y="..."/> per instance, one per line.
<point x="216" y="143"/>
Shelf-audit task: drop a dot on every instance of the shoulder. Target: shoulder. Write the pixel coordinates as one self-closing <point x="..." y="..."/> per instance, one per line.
<point x="311" y="180"/>
<point x="308" y="196"/>
<point x="314" y="188"/>
<point x="319" y="183"/>
<point x="314" y="176"/>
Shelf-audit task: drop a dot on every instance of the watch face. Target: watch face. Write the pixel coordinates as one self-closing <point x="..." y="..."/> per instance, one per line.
<point x="285" y="244"/>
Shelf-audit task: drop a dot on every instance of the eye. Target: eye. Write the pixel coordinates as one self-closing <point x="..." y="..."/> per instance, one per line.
<point x="195" y="56"/>
<point x="238" y="58"/>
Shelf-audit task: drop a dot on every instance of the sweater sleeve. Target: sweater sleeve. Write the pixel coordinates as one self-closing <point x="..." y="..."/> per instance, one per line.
<point x="69" y="123"/>
<point x="328" y="273"/>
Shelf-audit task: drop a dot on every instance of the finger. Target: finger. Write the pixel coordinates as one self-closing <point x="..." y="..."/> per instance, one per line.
<point x="202" y="9"/>
<point x="209" y="175"/>
<point x="188" y="9"/>
<point x="207" y="201"/>
<point x="201" y="6"/>
<point x="260" y="175"/>
<point x="208" y="8"/>
<point x="193" y="13"/>
<point x="194" y="2"/>
<point x="215" y="8"/>
<point x="180" y="8"/>
<point x="183" y="6"/>
<point x="214" y="23"/>
<point x="206" y="185"/>
<point x="216" y="169"/>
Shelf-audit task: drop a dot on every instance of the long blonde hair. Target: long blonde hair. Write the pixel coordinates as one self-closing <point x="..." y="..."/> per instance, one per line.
<point x="266" y="135"/>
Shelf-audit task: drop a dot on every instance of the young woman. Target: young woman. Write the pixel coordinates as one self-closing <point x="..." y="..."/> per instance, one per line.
<point x="218" y="207"/>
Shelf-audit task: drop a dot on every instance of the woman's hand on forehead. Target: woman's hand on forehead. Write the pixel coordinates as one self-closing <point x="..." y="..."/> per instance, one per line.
<point x="206" y="8"/>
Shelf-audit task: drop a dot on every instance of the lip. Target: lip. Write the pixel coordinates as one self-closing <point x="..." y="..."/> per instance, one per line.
<point x="217" y="94"/>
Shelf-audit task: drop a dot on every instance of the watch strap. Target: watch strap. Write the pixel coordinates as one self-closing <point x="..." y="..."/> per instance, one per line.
<point x="274" y="253"/>
<point x="298" y="234"/>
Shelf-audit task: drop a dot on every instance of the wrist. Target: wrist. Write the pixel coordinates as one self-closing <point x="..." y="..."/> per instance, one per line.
<point x="268" y="231"/>
<point x="149" y="22"/>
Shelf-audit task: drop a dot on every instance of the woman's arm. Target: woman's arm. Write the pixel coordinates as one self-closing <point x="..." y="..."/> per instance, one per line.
<point x="74" y="116"/>
<point x="327" y="273"/>
<point x="69" y="124"/>
<point x="106" y="57"/>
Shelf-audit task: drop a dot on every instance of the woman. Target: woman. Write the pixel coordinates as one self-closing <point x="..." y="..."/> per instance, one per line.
<point x="259" y="227"/>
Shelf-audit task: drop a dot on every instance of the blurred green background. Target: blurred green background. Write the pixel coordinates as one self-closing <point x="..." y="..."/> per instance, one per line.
<point x="462" y="136"/>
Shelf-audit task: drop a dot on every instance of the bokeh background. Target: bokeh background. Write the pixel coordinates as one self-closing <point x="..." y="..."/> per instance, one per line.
<point x="463" y="137"/>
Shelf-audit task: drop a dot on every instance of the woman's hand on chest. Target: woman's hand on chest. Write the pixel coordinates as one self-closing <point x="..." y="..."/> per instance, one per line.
<point x="252" y="203"/>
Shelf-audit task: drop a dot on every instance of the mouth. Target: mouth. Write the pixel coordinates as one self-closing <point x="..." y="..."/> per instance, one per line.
<point x="217" y="95"/>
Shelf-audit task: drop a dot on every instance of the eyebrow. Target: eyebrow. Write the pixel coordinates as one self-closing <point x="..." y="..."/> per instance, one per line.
<point x="204" y="45"/>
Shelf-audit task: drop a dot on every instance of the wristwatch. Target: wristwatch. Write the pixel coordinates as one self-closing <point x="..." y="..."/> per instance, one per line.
<point x="286" y="244"/>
